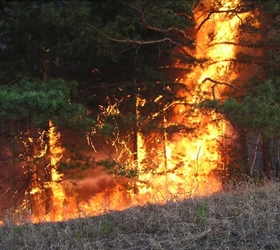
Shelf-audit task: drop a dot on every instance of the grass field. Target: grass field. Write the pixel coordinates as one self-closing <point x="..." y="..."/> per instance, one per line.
<point x="247" y="217"/>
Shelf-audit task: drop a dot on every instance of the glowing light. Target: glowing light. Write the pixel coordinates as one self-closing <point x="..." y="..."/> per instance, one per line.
<point x="185" y="164"/>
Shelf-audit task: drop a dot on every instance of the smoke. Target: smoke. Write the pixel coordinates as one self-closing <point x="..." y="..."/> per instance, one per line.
<point x="94" y="182"/>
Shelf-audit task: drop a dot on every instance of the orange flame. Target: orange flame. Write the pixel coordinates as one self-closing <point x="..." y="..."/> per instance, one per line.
<point x="58" y="196"/>
<point x="191" y="160"/>
<point x="201" y="152"/>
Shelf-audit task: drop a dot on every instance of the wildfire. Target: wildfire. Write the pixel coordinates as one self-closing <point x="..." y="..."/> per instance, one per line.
<point x="189" y="163"/>
<point x="197" y="156"/>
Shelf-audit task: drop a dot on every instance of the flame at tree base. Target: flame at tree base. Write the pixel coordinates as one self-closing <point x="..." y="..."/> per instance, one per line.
<point x="118" y="198"/>
<point x="192" y="162"/>
<point x="193" y="176"/>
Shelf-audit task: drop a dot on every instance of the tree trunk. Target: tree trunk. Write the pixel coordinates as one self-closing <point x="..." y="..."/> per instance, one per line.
<point x="48" y="190"/>
<point x="48" y="175"/>
<point x="266" y="163"/>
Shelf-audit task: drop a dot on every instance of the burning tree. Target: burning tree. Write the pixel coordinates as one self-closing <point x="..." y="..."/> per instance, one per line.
<point x="28" y="138"/>
<point x="252" y="107"/>
<point x="159" y="91"/>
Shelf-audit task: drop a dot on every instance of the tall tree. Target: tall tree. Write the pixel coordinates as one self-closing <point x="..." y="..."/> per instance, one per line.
<point x="254" y="107"/>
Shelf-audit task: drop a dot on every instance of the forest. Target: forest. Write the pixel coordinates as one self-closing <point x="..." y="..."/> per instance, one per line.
<point x="132" y="101"/>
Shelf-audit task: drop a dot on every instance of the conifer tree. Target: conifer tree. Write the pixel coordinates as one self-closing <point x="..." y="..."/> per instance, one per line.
<point x="253" y="107"/>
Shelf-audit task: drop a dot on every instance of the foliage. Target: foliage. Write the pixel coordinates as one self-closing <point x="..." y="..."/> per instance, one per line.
<point x="56" y="40"/>
<point x="41" y="102"/>
<point x="258" y="110"/>
<point x="33" y="33"/>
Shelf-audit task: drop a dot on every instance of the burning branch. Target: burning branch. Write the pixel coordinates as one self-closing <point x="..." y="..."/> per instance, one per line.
<point x="253" y="46"/>
<point x="238" y="10"/>
<point x="217" y="83"/>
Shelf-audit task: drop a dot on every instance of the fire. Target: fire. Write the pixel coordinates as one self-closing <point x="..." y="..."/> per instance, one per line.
<point x="52" y="185"/>
<point x="187" y="166"/>
<point x="200" y="153"/>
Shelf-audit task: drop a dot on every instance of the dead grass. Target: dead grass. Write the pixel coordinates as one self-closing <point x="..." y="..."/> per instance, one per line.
<point x="247" y="218"/>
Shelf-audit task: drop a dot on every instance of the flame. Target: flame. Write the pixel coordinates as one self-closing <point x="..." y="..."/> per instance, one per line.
<point x="200" y="153"/>
<point x="53" y="185"/>
<point x="187" y="166"/>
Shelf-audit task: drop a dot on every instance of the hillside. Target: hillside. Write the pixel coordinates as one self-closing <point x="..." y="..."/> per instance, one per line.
<point x="247" y="218"/>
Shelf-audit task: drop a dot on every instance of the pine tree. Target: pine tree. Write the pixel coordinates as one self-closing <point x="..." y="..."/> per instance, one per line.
<point x="253" y="106"/>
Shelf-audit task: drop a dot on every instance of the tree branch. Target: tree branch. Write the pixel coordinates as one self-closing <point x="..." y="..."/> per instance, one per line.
<point x="254" y="46"/>
<point x="179" y="31"/>
<point x="215" y="84"/>
<point x="166" y="39"/>
<point x="237" y="10"/>
<point x="184" y="15"/>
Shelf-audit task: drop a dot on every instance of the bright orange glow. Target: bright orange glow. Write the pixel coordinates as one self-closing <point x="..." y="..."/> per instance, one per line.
<point x="196" y="156"/>
<point x="56" y="189"/>
<point x="187" y="166"/>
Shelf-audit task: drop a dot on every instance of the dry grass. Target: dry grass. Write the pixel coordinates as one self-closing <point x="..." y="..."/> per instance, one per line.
<point x="244" y="219"/>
